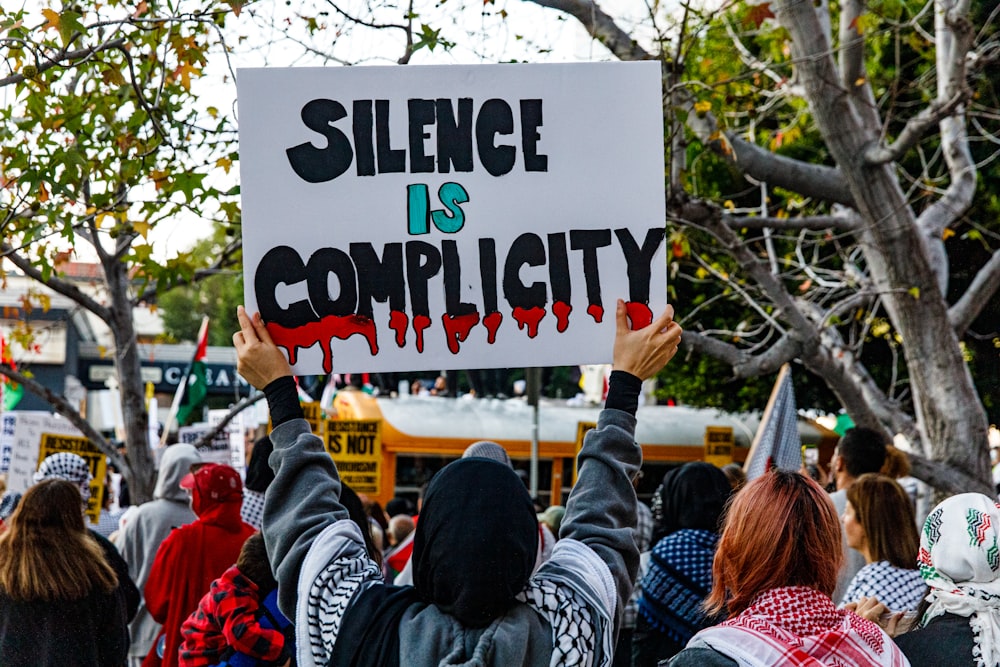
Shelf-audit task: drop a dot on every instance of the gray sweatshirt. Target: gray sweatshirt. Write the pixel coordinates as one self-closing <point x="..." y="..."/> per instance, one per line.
<point x="147" y="527"/>
<point x="571" y="608"/>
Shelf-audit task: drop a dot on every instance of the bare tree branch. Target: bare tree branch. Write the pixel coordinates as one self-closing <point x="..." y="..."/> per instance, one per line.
<point x="600" y="26"/>
<point x="812" y="180"/>
<point x="744" y="365"/>
<point x="59" y="57"/>
<point x="982" y="289"/>
<point x="63" y="287"/>
<point x="816" y="223"/>
<point x="239" y="407"/>
<point x="66" y="409"/>
<point x="914" y="130"/>
<point x="946" y="477"/>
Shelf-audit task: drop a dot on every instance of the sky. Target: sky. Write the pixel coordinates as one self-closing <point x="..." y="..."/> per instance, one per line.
<point x="497" y="32"/>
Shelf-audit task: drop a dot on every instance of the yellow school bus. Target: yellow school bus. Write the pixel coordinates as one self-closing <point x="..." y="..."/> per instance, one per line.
<point x="420" y="434"/>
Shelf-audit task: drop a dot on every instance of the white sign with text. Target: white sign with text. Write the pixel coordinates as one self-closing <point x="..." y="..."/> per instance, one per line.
<point x="417" y="218"/>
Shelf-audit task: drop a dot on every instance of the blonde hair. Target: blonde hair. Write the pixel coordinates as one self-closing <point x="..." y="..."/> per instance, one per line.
<point x="46" y="553"/>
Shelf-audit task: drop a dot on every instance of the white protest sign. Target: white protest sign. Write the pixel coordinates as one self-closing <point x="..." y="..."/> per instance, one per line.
<point x="22" y="437"/>
<point x="235" y="433"/>
<point x="417" y="218"/>
<point x="227" y="447"/>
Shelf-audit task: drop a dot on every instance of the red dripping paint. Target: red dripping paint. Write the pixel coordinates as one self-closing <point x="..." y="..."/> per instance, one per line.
<point x="597" y="312"/>
<point x="398" y="322"/>
<point x="457" y="328"/>
<point x="529" y="317"/>
<point x="639" y="313"/>
<point x="420" y="322"/>
<point x="561" y="310"/>
<point x="323" y="332"/>
<point x="492" y="323"/>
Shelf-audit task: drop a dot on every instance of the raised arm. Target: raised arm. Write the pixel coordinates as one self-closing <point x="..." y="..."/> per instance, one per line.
<point x="304" y="497"/>
<point x="601" y="511"/>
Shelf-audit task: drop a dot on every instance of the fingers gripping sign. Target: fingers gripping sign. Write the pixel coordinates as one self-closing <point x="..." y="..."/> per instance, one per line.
<point x="258" y="359"/>
<point x="645" y="351"/>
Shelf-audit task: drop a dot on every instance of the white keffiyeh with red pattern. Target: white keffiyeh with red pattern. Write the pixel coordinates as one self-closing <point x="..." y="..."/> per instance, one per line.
<point x="800" y="627"/>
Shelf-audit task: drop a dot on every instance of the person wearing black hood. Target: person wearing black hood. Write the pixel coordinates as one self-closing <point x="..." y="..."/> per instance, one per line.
<point x="474" y="599"/>
<point x="259" y="477"/>
<point x="687" y="514"/>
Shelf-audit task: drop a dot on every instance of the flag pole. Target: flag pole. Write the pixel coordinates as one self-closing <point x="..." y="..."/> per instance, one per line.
<point x="182" y="385"/>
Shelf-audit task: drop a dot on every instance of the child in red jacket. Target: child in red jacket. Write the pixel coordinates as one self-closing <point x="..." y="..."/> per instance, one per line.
<point x="226" y="628"/>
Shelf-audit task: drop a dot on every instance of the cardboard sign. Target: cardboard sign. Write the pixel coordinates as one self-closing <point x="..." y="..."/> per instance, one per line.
<point x="227" y="447"/>
<point x="52" y="443"/>
<point x="355" y="445"/>
<point x="719" y="443"/>
<point x="20" y="440"/>
<point x="420" y="218"/>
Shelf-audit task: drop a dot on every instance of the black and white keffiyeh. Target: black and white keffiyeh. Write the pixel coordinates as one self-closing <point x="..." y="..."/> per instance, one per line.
<point x="897" y="588"/>
<point x="67" y="466"/>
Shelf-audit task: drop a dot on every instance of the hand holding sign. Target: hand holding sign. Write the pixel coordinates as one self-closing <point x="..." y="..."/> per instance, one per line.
<point x="645" y="351"/>
<point x="258" y="359"/>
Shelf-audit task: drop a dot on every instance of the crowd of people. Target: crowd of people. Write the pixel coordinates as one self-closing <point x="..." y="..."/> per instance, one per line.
<point x="291" y="567"/>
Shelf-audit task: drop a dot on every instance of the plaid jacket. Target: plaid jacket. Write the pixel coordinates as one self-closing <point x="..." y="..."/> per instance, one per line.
<point x="228" y="617"/>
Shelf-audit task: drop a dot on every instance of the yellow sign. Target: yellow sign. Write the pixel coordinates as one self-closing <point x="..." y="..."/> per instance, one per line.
<point x="581" y="432"/>
<point x="719" y="443"/>
<point x="355" y="445"/>
<point x="53" y="443"/>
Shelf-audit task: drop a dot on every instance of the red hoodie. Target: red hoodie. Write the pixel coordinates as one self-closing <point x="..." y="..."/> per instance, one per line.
<point x="188" y="561"/>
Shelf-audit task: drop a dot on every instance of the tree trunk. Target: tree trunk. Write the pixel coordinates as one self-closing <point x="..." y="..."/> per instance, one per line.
<point x="950" y="418"/>
<point x="141" y="473"/>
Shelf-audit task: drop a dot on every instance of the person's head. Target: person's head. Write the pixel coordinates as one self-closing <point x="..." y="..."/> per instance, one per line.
<point x="484" y="449"/>
<point x="259" y="472"/>
<point x="254" y="565"/>
<point x="398" y="505"/>
<point x="69" y="467"/>
<point x="879" y="521"/>
<point x="476" y="541"/>
<point x="175" y="462"/>
<point x="46" y="552"/>
<point x="781" y="529"/>
<point x="958" y="545"/>
<point x="897" y="463"/>
<point x="691" y="496"/>
<point x="859" y="451"/>
<point x="734" y="473"/>
<point x="400" y="527"/>
<point x="212" y="485"/>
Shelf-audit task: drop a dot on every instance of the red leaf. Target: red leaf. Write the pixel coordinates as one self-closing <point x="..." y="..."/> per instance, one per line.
<point x="758" y="14"/>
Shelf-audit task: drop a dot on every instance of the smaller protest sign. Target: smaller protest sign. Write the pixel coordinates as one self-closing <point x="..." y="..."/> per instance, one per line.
<point x="52" y="443"/>
<point x="719" y="443"/>
<point x="355" y="445"/>
<point x="20" y="439"/>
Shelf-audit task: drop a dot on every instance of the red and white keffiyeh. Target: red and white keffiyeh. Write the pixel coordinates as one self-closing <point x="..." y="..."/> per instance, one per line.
<point x="798" y="626"/>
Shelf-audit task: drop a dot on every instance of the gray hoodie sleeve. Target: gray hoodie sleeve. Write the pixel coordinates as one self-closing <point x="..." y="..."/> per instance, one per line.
<point x="601" y="511"/>
<point x="302" y="500"/>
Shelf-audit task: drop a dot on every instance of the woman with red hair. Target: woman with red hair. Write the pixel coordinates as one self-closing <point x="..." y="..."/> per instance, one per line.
<point x="774" y="572"/>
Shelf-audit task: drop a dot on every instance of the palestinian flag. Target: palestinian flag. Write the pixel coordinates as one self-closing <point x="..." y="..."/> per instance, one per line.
<point x="195" y="390"/>
<point x="10" y="391"/>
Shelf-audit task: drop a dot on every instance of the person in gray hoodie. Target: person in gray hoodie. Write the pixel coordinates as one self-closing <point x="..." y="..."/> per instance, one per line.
<point x="475" y="600"/>
<point x="147" y="526"/>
